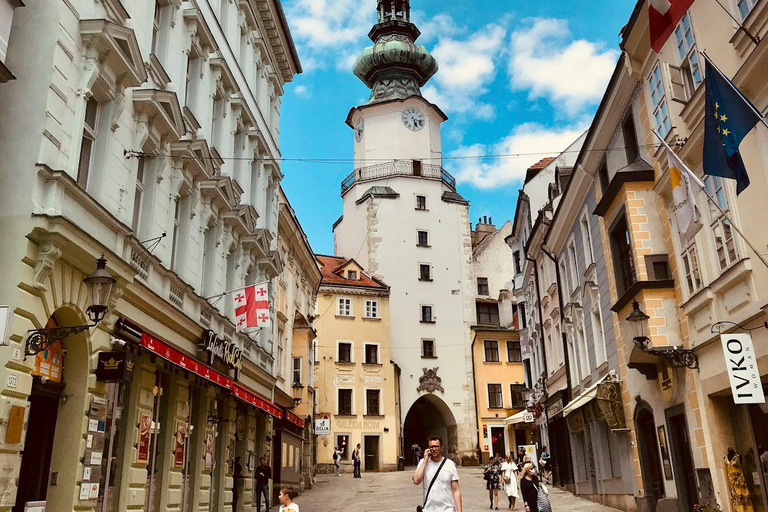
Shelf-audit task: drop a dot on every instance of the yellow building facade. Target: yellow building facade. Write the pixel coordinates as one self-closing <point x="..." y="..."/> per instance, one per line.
<point x="499" y="390"/>
<point x="355" y="382"/>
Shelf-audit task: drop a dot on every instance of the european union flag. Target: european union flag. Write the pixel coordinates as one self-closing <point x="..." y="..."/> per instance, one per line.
<point x="729" y="118"/>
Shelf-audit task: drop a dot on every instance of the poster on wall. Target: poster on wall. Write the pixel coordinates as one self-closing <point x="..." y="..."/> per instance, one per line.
<point x="145" y="432"/>
<point x="208" y="451"/>
<point x="530" y="451"/>
<point x="181" y="443"/>
<point x="49" y="363"/>
<point x="743" y="372"/>
<point x="231" y="455"/>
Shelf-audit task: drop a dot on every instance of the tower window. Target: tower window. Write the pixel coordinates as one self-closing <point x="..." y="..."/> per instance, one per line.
<point x="425" y="272"/>
<point x="428" y="349"/>
<point x="421" y="202"/>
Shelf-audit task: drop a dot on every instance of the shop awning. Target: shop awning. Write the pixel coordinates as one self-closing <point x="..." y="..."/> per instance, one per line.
<point x="583" y="399"/>
<point x="296" y="420"/>
<point x="516" y="418"/>
<point x="190" y="364"/>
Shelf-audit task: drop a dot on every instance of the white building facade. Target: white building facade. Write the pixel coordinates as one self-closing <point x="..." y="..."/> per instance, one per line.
<point x="146" y="132"/>
<point x="405" y="223"/>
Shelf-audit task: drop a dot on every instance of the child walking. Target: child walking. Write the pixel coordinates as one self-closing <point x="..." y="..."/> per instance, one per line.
<point x="286" y="499"/>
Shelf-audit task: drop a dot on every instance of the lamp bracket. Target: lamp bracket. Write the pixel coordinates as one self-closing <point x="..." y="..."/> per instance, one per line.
<point x="679" y="357"/>
<point x="722" y="326"/>
<point x="40" y="339"/>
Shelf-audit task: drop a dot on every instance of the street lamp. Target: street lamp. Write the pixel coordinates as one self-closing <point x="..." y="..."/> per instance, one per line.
<point x="99" y="285"/>
<point x="676" y="356"/>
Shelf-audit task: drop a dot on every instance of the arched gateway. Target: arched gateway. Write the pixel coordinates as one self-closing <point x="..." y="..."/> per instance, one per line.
<point x="430" y="416"/>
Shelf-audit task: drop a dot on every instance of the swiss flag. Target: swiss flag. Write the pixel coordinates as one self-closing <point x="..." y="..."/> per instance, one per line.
<point x="663" y="16"/>
<point x="252" y="306"/>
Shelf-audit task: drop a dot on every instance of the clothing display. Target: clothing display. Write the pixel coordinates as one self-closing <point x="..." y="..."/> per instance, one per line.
<point x="741" y="500"/>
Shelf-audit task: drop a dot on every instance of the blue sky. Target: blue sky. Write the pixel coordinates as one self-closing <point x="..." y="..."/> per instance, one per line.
<point x="515" y="78"/>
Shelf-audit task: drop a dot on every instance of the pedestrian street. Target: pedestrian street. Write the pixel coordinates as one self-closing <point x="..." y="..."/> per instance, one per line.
<point x="394" y="492"/>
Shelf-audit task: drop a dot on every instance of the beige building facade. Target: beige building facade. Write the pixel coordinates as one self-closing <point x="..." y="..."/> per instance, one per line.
<point x="357" y="384"/>
<point x="123" y="135"/>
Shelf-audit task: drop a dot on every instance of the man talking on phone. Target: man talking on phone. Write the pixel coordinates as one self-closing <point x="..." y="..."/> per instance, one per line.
<point x="439" y="478"/>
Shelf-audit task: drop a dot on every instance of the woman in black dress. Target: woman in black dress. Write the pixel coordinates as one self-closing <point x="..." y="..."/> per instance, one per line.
<point x="493" y="480"/>
<point x="529" y="488"/>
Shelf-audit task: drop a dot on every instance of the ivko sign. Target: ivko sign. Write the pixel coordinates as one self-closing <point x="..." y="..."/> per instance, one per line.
<point x="226" y="351"/>
<point x="742" y="369"/>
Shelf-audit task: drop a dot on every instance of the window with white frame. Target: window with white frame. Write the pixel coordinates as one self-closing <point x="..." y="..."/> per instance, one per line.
<point x="725" y="243"/>
<point x="372" y="309"/>
<point x="428" y="349"/>
<point x="156" y="25"/>
<point x="177" y="227"/>
<point x="427" y="315"/>
<point x="689" y="56"/>
<point x="491" y="351"/>
<point x="373" y="402"/>
<point x="88" y="144"/>
<point x="659" y="107"/>
<point x="421" y="202"/>
<point x="138" y="195"/>
<point x="586" y="236"/>
<point x="565" y="279"/>
<point x="280" y="351"/>
<point x="344" y="306"/>
<point x="745" y="7"/>
<point x="691" y="268"/>
<point x="296" y="370"/>
<point x="598" y="333"/>
<point x="574" y="265"/>
<point x="422" y="238"/>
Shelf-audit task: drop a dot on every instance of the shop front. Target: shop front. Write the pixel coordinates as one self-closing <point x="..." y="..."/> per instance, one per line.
<point x="287" y="445"/>
<point x="559" y="440"/>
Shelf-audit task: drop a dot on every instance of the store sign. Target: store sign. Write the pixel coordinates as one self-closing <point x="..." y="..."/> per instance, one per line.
<point x="529" y="417"/>
<point x="555" y="409"/>
<point x="323" y="426"/>
<point x="742" y="368"/>
<point x="224" y="350"/>
<point x="114" y="367"/>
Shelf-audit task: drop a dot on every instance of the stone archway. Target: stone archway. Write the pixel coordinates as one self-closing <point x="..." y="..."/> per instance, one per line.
<point x="430" y="416"/>
<point x="54" y="439"/>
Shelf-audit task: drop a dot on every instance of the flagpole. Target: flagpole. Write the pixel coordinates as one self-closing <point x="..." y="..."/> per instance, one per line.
<point x="747" y="100"/>
<point x="740" y="24"/>
<point x="714" y="202"/>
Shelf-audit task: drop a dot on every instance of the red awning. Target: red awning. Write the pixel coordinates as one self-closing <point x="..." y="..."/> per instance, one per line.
<point x="193" y="366"/>
<point x="296" y="420"/>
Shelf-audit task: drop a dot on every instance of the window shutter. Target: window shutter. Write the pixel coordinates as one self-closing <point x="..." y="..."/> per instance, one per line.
<point x="676" y="83"/>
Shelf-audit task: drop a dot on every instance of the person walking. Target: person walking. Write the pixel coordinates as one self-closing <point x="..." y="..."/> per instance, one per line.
<point x="286" y="496"/>
<point x="493" y="476"/>
<point x="263" y="475"/>
<point x="544" y="463"/>
<point x="337" y="460"/>
<point x="520" y="457"/>
<point x="356" y="460"/>
<point x="439" y="479"/>
<point x="534" y="496"/>
<point x="509" y="473"/>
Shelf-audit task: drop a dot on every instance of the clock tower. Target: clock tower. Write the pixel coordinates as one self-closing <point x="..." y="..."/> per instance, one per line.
<point x="405" y="222"/>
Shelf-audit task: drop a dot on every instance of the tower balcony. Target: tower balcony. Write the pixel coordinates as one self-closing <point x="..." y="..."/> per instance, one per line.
<point x="410" y="168"/>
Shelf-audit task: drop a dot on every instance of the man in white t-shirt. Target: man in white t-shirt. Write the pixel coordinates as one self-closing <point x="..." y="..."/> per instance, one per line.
<point x="445" y="495"/>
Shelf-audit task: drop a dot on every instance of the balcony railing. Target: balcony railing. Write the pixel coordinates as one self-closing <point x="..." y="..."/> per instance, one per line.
<point x="398" y="168"/>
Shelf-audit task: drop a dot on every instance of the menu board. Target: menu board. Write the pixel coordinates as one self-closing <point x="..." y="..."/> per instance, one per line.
<point x="94" y="448"/>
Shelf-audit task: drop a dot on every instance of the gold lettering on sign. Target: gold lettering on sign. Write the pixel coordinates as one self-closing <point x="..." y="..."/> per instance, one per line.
<point x="357" y="424"/>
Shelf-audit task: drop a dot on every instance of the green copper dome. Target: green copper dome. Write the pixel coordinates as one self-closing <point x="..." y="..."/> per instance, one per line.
<point x="395" y="67"/>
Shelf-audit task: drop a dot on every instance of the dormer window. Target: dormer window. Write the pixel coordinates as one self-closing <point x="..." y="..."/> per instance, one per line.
<point x="352" y="275"/>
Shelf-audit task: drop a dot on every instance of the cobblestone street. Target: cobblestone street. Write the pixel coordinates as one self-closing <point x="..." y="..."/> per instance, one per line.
<point x="394" y="492"/>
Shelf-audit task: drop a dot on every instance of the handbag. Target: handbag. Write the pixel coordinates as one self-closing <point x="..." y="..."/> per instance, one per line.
<point x="542" y="500"/>
<point x="420" y="508"/>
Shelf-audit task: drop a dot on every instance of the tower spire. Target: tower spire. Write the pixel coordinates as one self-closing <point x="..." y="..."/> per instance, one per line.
<point x="395" y="67"/>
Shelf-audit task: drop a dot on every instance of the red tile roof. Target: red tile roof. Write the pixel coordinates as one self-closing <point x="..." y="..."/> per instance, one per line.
<point x="331" y="267"/>
<point x="543" y="163"/>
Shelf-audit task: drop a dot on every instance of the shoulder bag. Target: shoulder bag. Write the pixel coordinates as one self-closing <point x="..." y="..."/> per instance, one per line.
<point x="542" y="499"/>
<point x="420" y="508"/>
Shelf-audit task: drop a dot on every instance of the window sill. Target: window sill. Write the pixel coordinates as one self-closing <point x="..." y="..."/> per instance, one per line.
<point x="514" y="362"/>
<point x="425" y="280"/>
<point x="373" y="364"/>
<point x="372" y="318"/>
<point x="496" y="408"/>
<point x="421" y="209"/>
<point x="492" y="362"/>
<point x="639" y="286"/>
<point x="348" y="317"/>
<point x="422" y="245"/>
<point x="376" y="416"/>
<point x="429" y="357"/>
<point x="346" y="415"/>
<point x="426" y="321"/>
<point x="346" y="363"/>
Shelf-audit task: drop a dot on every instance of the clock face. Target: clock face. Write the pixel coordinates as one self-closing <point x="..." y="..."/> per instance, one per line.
<point x="414" y="119"/>
<point x="359" y="129"/>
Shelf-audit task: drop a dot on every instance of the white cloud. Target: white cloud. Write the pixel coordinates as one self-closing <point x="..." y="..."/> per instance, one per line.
<point x="570" y="73"/>
<point x="467" y="68"/>
<point x="303" y="91"/>
<point x="529" y="140"/>
<point x="326" y="29"/>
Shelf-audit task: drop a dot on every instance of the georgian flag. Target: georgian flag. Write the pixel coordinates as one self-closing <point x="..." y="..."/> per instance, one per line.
<point x="663" y="16"/>
<point x="252" y="306"/>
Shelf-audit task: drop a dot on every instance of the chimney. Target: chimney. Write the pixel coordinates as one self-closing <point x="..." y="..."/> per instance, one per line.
<point x="483" y="228"/>
<point x="485" y="219"/>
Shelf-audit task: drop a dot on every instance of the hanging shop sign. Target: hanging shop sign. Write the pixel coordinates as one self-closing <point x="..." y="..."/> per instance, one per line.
<point x="529" y="417"/>
<point x="145" y="432"/>
<point x="323" y="425"/>
<point x="50" y="362"/>
<point x="226" y="351"/>
<point x="742" y="368"/>
<point x="555" y="409"/>
<point x="115" y="366"/>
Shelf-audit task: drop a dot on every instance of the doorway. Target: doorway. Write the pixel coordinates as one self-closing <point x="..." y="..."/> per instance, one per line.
<point x="38" y="446"/>
<point x="681" y="458"/>
<point x="371" y="453"/>
<point x="497" y="441"/>
<point x="648" y="449"/>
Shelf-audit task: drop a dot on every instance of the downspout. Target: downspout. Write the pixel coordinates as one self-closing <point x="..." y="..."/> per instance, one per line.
<point x="474" y="389"/>
<point x="562" y="331"/>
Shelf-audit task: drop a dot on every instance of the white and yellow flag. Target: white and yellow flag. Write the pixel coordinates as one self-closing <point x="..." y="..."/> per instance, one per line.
<point x="687" y="215"/>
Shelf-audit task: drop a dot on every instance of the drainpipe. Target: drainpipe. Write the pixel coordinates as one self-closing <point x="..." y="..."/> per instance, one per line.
<point x="562" y="331"/>
<point x="474" y="389"/>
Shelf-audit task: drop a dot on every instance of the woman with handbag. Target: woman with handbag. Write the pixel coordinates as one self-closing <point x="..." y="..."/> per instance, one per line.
<point x="509" y="472"/>
<point x="493" y="477"/>
<point x="535" y="495"/>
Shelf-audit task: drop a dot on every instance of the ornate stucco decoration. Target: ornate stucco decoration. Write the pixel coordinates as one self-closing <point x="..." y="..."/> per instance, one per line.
<point x="430" y="382"/>
<point x="47" y="255"/>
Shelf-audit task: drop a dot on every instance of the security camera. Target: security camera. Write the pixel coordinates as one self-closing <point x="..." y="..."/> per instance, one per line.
<point x="44" y="379"/>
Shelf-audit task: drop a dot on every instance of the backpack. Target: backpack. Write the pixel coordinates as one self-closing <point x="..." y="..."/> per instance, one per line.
<point x="335" y="456"/>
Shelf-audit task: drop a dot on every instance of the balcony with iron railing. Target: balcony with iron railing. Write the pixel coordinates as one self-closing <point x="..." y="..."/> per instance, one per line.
<point x="412" y="168"/>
